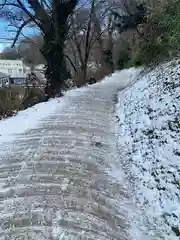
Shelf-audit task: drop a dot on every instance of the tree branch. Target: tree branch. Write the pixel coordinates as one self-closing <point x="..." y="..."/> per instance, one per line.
<point x="73" y="51"/>
<point x="3" y="4"/>
<point x="33" y="18"/>
<point x="87" y="47"/>
<point x="71" y="62"/>
<point x="75" y="40"/>
<point x="40" y="14"/>
<point x="9" y="4"/>
<point x="19" y="31"/>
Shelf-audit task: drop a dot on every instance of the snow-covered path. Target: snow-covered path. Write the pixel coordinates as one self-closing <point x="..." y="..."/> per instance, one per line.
<point x="62" y="179"/>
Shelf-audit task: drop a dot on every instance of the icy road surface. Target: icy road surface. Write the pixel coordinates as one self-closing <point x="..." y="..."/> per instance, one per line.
<point x="60" y="177"/>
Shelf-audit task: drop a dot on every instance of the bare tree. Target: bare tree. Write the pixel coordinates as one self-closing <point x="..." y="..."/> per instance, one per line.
<point x="88" y="29"/>
<point x="81" y="37"/>
<point x="105" y="43"/>
<point x="50" y="17"/>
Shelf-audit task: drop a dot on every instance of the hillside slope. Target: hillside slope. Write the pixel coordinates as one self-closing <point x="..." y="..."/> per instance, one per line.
<point x="148" y="132"/>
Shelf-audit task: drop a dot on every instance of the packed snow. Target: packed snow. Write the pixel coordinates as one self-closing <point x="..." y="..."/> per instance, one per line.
<point x="25" y="120"/>
<point x="31" y="117"/>
<point x="59" y="181"/>
<point x="148" y="132"/>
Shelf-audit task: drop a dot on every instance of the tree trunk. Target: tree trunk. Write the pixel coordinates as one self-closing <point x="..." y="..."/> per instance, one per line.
<point x="53" y="48"/>
<point x="84" y="71"/>
<point x="56" y="72"/>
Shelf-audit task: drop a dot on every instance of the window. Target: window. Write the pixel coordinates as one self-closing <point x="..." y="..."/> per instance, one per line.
<point x="10" y="71"/>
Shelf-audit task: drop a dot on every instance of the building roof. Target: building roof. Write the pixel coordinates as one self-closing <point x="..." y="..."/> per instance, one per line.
<point x="3" y="75"/>
<point x="19" y="61"/>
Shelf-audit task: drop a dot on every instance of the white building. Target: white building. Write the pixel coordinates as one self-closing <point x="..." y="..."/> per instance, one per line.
<point x="14" y="68"/>
<point x="17" y="70"/>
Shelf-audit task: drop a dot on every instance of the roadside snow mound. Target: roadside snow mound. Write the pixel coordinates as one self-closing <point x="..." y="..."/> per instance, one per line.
<point x="26" y="119"/>
<point x="148" y="131"/>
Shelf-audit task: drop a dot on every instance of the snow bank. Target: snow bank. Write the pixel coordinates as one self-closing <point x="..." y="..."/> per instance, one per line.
<point x="27" y="119"/>
<point x="148" y="132"/>
<point x="32" y="117"/>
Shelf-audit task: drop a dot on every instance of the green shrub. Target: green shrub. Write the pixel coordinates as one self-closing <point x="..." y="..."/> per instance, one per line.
<point x="123" y="61"/>
<point x="10" y="102"/>
<point x="156" y="41"/>
<point x="161" y="34"/>
<point x="122" y="53"/>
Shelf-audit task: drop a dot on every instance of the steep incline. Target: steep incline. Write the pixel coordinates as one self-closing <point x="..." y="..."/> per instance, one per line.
<point x="148" y="130"/>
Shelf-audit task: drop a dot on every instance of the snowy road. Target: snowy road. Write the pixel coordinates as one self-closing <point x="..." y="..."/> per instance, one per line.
<point x="62" y="179"/>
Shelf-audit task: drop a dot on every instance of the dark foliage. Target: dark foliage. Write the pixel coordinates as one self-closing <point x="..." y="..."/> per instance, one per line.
<point x="131" y="20"/>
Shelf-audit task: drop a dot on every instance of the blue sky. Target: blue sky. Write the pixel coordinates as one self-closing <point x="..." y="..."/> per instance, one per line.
<point x="3" y="34"/>
<point x="6" y="32"/>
